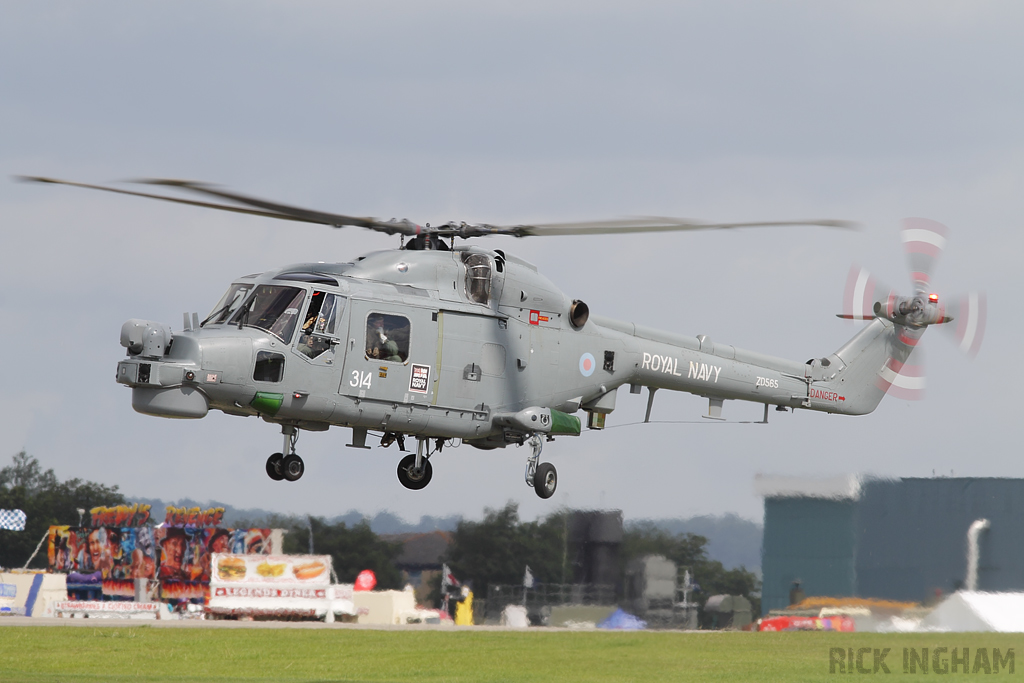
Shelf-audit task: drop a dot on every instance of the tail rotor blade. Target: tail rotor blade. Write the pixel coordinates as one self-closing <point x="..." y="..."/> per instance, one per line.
<point x="903" y="375"/>
<point x="904" y="381"/>
<point x="969" y="313"/>
<point x="923" y="241"/>
<point x="908" y="336"/>
<point x="862" y="291"/>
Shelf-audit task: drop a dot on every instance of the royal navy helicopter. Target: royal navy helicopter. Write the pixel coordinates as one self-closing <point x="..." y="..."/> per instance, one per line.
<point x="442" y="342"/>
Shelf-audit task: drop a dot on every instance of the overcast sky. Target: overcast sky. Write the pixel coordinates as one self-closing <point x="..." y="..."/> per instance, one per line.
<point x="513" y="112"/>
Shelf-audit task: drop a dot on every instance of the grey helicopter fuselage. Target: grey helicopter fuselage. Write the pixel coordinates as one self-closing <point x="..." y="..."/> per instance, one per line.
<point x="468" y="344"/>
<point x="440" y="343"/>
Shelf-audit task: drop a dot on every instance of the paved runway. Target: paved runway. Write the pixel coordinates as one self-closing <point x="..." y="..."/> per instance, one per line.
<point x="97" y="622"/>
<point x="106" y="622"/>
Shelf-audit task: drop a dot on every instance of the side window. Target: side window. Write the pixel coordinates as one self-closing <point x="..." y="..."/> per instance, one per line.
<point x="478" y="277"/>
<point x="387" y="337"/>
<point x="269" y="367"/>
<point x="321" y="320"/>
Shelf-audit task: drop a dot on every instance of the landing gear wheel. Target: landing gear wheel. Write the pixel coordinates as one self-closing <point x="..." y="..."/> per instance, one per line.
<point x="410" y="478"/>
<point x="292" y="467"/>
<point x="545" y="480"/>
<point x="274" y="470"/>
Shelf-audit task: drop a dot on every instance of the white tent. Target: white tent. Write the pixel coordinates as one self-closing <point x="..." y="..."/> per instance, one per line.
<point x="977" y="611"/>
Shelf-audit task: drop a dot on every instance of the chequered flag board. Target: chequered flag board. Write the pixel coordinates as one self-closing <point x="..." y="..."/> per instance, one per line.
<point x="12" y="520"/>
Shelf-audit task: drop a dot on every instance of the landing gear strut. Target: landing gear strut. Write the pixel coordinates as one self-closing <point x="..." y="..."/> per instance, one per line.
<point x="414" y="470"/>
<point x="290" y="467"/>
<point x="540" y="475"/>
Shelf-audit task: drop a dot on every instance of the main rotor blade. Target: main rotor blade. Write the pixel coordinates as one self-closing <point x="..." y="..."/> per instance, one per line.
<point x="265" y="209"/>
<point x="177" y="200"/>
<point x="403" y="227"/>
<point x="261" y="207"/>
<point x="629" y="225"/>
<point x="923" y="240"/>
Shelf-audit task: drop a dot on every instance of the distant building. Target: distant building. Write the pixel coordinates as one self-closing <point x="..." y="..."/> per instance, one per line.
<point x="421" y="558"/>
<point x="595" y="537"/>
<point x="902" y="539"/>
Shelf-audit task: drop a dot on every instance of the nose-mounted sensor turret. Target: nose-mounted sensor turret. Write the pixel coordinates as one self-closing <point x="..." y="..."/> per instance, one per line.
<point x="145" y="338"/>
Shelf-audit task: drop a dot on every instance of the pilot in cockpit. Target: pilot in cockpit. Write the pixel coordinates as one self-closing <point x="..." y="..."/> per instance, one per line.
<point x="310" y="341"/>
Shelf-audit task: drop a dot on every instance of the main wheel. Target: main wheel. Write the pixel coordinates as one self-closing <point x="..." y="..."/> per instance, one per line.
<point x="274" y="467"/>
<point x="410" y="478"/>
<point x="545" y="481"/>
<point x="292" y="467"/>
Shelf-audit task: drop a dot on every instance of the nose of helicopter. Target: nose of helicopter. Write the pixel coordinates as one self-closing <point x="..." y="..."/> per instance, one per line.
<point x="163" y="370"/>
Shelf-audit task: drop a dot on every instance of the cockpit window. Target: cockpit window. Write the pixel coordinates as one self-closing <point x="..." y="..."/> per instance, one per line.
<point x="321" y="319"/>
<point x="387" y="337"/>
<point x="228" y="304"/>
<point x="269" y="367"/>
<point x="274" y="309"/>
<point x="478" y="277"/>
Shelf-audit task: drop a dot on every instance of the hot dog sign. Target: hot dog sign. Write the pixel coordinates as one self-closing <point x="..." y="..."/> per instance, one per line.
<point x="262" y="569"/>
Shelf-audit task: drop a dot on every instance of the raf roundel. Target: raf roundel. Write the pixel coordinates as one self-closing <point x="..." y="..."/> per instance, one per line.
<point x="587" y="365"/>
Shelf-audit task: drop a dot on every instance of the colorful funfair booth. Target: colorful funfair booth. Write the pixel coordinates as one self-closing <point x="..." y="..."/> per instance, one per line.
<point x="123" y="558"/>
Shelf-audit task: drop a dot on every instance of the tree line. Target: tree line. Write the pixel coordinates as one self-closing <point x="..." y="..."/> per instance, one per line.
<point x="494" y="550"/>
<point x="497" y="549"/>
<point x="46" y="501"/>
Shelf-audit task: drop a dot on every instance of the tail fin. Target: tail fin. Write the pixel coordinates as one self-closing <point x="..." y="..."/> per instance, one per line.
<point x="873" y="363"/>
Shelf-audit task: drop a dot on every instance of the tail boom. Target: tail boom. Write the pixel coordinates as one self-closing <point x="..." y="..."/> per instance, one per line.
<point x="851" y="381"/>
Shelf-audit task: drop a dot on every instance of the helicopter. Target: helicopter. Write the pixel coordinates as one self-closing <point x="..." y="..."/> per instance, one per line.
<point x="450" y="343"/>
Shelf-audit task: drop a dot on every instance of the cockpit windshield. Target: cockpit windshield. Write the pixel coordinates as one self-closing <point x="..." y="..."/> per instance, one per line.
<point x="272" y="308"/>
<point x="228" y="304"/>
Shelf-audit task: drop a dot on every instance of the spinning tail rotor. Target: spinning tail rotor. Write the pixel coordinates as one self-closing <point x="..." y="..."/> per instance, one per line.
<point x="866" y="298"/>
<point x="968" y="312"/>
<point x="923" y="242"/>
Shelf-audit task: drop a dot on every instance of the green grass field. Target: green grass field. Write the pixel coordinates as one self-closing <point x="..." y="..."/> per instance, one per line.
<point x="31" y="653"/>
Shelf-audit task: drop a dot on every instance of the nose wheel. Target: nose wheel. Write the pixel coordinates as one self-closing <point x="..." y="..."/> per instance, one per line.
<point x="289" y="467"/>
<point x="414" y="470"/>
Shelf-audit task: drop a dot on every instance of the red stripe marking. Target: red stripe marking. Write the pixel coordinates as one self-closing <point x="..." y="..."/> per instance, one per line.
<point x="926" y="248"/>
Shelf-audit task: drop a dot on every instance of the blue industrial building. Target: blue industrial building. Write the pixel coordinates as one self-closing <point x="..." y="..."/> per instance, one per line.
<point x="901" y="539"/>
